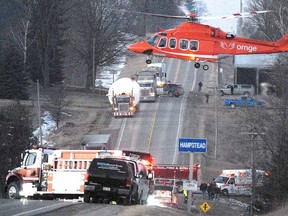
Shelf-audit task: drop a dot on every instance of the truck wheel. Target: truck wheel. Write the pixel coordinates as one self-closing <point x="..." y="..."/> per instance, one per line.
<point x="232" y="105"/>
<point x="225" y="192"/>
<point x="221" y="93"/>
<point x="86" y="197"/>
<point x="170" y="94"/>
<point x="128" y="200"/>
<point x="13" y="190"/>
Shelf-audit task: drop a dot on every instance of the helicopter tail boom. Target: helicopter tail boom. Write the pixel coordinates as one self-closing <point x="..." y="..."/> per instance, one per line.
<point x="283" y="43"/>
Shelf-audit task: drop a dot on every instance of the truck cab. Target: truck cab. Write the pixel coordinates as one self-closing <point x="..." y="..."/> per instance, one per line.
<point x="29" y="173"/>
<point x="147" y="81"/>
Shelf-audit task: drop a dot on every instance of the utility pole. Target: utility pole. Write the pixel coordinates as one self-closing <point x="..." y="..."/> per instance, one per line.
<point x="93" y="66"/>
<point x="191" y="166"/>
<point x="39" y="114"/>
<point x="253" y="167"/>
<point x="219" y="71"/>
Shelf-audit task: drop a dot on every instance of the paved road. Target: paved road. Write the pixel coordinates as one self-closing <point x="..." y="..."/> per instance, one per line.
<point x="157" y="127"/>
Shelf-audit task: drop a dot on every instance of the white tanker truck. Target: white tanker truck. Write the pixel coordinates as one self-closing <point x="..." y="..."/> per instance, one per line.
<point x="124" y="96"/>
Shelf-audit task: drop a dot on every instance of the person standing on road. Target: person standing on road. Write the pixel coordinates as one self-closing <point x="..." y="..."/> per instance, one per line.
<point x="232" y="89"/>
<point x="200" y="84"/>
<point x="207" y="97"/>
<point x="209" y="190"/>
<point x="203" y="188"/>
<point x="217" y="193"/>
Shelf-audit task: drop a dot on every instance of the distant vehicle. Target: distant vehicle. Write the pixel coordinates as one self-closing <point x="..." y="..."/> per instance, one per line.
<point x="171" y="90"/>
<point x="148" y="85"/>
<point x="238" y="89"/>
<point x="244" y="101"/>
<point x="161" y="74"/>
<point x="124" y="96"/>
<point x="117" y="179"/>
<point x="238" y="181"/>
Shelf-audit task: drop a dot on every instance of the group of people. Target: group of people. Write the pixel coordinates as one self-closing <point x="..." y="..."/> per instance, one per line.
<point x="211" y="189"/>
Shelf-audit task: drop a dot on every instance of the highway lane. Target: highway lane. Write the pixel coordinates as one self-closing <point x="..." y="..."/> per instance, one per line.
<point x="64" y="208"/>
<point x="157" y="127"/>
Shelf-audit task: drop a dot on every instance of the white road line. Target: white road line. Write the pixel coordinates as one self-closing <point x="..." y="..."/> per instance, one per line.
<point x="123" y="125"/>
<point x="181" y="117"/>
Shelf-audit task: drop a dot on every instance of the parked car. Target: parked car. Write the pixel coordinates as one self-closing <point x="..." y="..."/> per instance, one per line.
<point x="171" y="90"/>
<point x="237" y="89"/>
<point x="116" y="179"/>
<point x="244" y="101"/>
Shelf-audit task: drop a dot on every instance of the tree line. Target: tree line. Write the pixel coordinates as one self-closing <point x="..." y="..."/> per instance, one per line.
<point x="269" y="128"/>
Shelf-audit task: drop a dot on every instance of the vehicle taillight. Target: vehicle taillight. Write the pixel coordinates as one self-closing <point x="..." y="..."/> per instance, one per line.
<point x="86" y="177"/>
<point x="128" y="182"/>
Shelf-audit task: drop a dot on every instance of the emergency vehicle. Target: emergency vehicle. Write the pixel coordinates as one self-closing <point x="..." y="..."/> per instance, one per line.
<point x="238" y="181"/>
<point x="167" y="174"/>
<point x="52" y="172"/>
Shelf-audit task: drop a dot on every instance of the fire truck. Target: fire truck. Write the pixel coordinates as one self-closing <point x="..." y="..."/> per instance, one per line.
<point x="53" y="173"/>
<point x="165" y="174"/>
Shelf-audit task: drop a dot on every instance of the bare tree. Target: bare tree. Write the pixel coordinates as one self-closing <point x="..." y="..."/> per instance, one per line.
<point x="271" y="124"/>
<point x="20" y="29"/>
<point x="95" y="21"/>
<point x="270" y="26"/>
<point x="57" y="102"/>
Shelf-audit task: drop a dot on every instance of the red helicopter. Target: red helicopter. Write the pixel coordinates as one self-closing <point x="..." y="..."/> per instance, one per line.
<point x="203" y="43"/>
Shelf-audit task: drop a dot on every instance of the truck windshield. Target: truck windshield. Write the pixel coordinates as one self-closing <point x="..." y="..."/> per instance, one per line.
<point x="30" y="159"/>
<point x="145" y="85"/>
<point x="123" y="99"/>
<point x="221" y="179"/>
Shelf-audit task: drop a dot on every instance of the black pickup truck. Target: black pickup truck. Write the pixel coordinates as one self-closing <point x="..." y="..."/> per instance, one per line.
<point x="116" y="179"/>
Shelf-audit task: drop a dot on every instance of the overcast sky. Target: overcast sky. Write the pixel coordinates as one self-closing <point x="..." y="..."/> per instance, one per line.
<point x="220" y="8"/>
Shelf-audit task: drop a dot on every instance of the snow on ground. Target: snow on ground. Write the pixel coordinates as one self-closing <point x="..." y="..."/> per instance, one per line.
<point x="48" y="126"/>
<point x="110" y="73"/>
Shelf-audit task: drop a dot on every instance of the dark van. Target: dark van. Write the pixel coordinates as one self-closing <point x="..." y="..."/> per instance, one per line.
<point x="117" y="180"/>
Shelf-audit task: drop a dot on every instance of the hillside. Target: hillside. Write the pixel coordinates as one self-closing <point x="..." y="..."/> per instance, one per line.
<point x="88" y="112"/>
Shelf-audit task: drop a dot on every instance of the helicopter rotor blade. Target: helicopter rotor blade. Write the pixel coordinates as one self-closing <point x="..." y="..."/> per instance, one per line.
<point x="235" y="15"/>
<point x="156" y="15"/>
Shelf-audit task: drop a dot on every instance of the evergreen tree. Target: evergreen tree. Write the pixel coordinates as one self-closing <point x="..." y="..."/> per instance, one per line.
<point x="16" y="136"/>
<point x="45" y="57"/>
<point x="14" y="81"/>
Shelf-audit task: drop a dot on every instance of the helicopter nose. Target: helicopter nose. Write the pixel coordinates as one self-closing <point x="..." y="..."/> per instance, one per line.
<point x="139" y="47"/>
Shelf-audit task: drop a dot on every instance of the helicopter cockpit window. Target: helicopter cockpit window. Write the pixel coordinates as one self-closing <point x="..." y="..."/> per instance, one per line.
<point x="152" y="40"/>
<point x="230" y="36"/>
<point x="163" y="42"/>
<point x="172" y="43"/>
<point x="183" y="44"/>
<point x="194" y="45"/>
